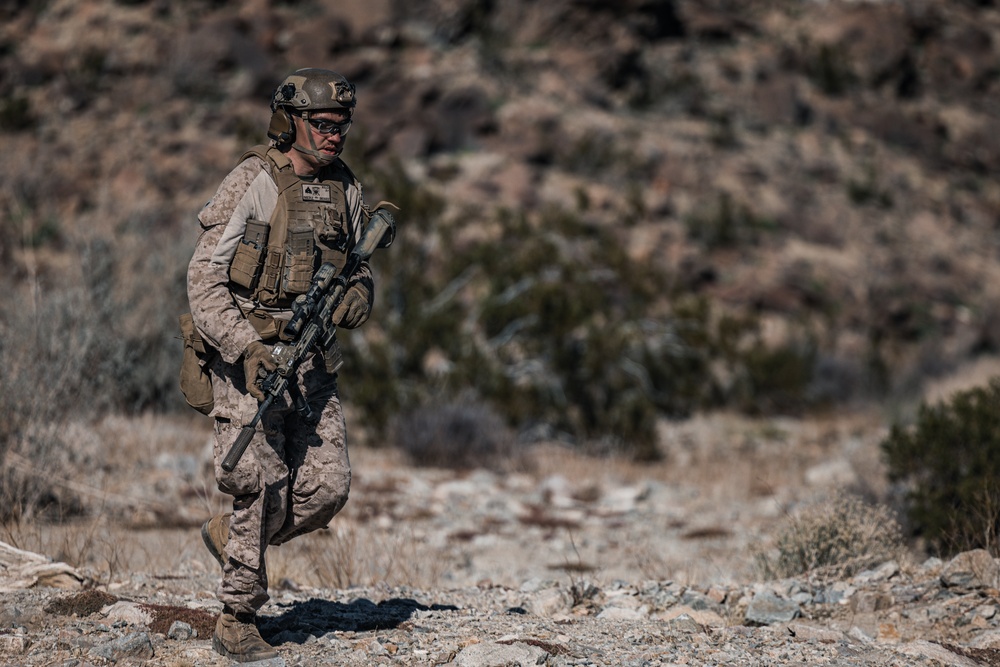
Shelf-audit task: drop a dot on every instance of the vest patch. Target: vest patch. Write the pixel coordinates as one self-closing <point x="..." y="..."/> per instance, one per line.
<point x="316" y="192"/>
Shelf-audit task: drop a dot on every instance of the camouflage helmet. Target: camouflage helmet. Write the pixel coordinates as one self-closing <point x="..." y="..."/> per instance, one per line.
<point x="312" y="89"/>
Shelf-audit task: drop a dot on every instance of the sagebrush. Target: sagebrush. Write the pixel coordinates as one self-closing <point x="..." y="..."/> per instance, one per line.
<point x="462" y="434"/>
<point x="832" y="539"/>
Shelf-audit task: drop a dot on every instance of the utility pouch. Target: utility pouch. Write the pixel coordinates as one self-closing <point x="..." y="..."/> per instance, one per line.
<point x="195" y="381"/>
<point x="335" y="257"/>
<point x="268" y="327"/>
<point x="249" y="258"/>
<point x="299" y="261"/>
<point x="333" y="230"/>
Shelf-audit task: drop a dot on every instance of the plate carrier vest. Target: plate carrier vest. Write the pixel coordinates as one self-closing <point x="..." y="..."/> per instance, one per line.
<point x="275" y="261"/>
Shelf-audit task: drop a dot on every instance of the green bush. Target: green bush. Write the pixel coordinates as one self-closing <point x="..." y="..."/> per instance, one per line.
<point x="724" y="223"/>
<point x="830" y="70"/>
<point x="776" y="380"/>
<point x="948" y="462"/>
<point x="546" y="318"/>
<point x="16" y="114"/>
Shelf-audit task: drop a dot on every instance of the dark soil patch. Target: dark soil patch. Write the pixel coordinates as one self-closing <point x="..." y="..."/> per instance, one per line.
<point x="164" y="616"/>
<point x="81" y="604"/>
<point x="92" y="601"/>
<point x="984" y="656"/>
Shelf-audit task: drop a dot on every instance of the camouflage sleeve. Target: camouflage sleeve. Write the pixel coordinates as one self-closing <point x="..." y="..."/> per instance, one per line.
<point x="356" y="204"/>
<point x="213" y="309"/>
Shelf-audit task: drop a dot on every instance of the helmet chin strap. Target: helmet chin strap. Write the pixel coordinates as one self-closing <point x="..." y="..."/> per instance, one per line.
<point x="323" y="158"/>
<point x="313" y="150"/>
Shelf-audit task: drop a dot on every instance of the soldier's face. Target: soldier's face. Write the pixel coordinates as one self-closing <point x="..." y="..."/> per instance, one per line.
<point x="325" y="130"/>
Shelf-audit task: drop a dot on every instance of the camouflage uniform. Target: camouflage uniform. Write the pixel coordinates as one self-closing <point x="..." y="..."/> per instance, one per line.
<point x="295" y="476"/>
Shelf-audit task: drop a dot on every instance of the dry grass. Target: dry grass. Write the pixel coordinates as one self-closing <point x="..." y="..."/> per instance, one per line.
<point x="109" y="552"/>
<point x="831" y="540"/>
<point x="732" y="458"/>
<point x="129" y="479"/>
<point x="348" y="554"/>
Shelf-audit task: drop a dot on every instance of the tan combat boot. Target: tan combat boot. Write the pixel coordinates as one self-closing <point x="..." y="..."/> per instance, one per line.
<point x="215" y="533"/>
<point x="237" y="637"/>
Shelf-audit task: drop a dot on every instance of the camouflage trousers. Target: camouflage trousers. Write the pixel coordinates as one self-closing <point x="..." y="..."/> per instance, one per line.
<point x="293" y="478"/>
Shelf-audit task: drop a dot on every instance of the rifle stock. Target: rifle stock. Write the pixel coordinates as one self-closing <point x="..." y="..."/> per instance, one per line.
<point x="310" y="325"/>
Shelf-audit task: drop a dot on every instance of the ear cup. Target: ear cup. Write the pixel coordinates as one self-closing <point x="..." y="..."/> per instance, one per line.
<point x="281" y="127"/>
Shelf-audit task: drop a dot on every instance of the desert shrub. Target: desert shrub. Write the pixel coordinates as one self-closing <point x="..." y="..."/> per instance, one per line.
<point x="723" y="131"/>
<point x="829" y="68"/>
<point x="833" y="539"/>
<point x="42" y="355"/>
<point x="550" y="321"/>
<point x="419" y="205"/>
<point x="867" y="189"/>
<point x="105" y="343"/>
<point x="727" y="224"/>
<point x="565" y="318"/>
<point x="133" y="352"/>
<point x="948" y="463"/>
<point x="16" y="114"/>
<point x="549" y="339"/>
<point x="459" y="434"/>
<point x="776" y="380"/>
<point x="764" y="379"/>
<point x="599" y="154"/>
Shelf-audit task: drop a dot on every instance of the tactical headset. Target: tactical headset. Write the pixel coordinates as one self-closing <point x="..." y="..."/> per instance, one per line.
<point x="282" y="128"/>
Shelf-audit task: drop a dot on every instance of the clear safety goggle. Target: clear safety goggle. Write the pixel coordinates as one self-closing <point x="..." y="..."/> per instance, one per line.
<point x="324" y="126"/>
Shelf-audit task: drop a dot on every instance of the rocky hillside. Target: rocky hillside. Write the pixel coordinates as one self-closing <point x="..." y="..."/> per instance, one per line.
<point x="770" y="205"/>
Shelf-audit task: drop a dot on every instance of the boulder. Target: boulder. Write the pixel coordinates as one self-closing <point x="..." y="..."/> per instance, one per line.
<point x="972" y="569"/>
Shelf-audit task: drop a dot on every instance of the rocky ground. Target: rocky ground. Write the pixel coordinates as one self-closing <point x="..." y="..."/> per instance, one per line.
<point x="937" y="614"/>
<point x="562" y="559"/>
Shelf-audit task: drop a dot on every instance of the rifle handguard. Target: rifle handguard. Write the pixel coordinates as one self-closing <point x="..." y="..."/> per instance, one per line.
<point x="305" y="304"/>
<point x="324" y="294"/>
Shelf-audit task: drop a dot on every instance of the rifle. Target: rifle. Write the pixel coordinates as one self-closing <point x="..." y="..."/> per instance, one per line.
<point x="310" y="327"/>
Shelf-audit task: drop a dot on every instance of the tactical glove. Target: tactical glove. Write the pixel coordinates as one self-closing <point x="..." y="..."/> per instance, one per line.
<point x="256" y="358"/>
<point x="353" y="311"/>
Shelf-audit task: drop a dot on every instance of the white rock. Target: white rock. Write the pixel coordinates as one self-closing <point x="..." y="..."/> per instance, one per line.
<point x="500" y="655"/>
<point x="837" y="473"/>
<point x="972" y="569"/>
<point x="622" y="614"/>
<point x="129" y="612"/>
<point x="550" y="602"/>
